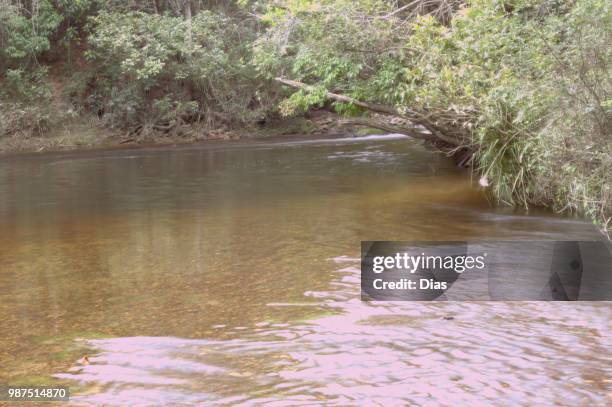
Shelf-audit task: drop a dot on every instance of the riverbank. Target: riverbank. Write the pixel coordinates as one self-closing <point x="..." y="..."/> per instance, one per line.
<point x="89" y="133"/>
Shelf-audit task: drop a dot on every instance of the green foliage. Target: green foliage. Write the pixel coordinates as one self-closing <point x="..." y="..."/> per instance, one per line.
<point x="152" y="68"/>
<point x="24" y="102"/>
<point x="28" y="28"/>
<point x="29" y="32"/>
<point x="479" y="70"/>
<point x="301" y="101"/>
<point x="525" y="83"/>
<point x="24" y="86"/>
<point x="336" y="45"/>
<point x="24" y="34"/>
<point x="576" y="152"/>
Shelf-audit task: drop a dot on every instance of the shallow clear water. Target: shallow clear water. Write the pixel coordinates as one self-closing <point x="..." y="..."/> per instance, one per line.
<point x="229" y="273"/>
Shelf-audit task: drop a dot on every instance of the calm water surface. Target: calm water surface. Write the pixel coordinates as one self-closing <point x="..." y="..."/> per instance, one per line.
<point x="229" y="274"/>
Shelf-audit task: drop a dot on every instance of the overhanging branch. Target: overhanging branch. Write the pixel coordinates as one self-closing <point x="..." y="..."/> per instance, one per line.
<point x="414" y="117"/>
<point x="341" y="98"/>
<point x="391" y="128"/>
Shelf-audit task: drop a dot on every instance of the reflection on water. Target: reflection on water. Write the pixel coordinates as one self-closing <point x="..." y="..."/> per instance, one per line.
<point x="229" y="274"/>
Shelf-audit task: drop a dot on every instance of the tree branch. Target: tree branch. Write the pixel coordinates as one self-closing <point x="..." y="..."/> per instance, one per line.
<point x="391" y="128"/>
<point x="399" y="10"/>
<point x="414" y="117"/>
<point x="341" y="98"/>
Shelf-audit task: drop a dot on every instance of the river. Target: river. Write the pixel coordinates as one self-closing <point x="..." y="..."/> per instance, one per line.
<point x="228" y="273"/>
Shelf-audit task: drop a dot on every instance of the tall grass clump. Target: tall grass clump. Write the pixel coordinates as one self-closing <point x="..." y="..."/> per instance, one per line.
<point x="530" y="84"/>
<point x="547" y="138"/>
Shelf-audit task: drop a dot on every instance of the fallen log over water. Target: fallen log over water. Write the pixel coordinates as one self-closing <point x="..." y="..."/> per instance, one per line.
<point x="434" y="132"/>
<point x="376" y="123"/>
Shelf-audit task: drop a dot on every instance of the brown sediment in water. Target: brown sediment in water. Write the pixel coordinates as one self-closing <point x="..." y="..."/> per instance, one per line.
<point x="230" y="273"/>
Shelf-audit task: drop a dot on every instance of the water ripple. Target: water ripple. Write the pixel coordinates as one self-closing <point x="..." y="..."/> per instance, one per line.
<point x="377" y="353"/>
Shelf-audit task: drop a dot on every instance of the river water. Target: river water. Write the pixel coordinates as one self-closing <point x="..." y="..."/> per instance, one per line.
<point x="229" y="274"/>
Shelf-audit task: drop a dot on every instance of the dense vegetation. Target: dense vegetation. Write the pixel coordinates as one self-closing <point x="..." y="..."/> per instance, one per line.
<point x="519" y="89"/>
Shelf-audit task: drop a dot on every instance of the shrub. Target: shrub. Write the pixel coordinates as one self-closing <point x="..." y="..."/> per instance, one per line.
<point x="25" y="106"/>
<point x="158" y="69"/>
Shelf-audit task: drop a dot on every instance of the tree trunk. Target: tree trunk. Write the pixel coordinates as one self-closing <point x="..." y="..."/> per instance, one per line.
<point x="374" y="123"/>
<point x="341" y="98"/>
<point x="188" y="18"/>
<point x="417" y="118"/>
